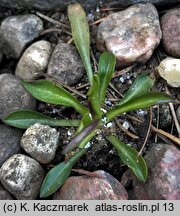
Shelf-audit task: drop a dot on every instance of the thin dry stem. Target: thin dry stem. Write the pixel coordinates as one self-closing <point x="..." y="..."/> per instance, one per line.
<point x="126" y="131"/>
<point x="166" y="134"/>
<point x="148" y="132"/>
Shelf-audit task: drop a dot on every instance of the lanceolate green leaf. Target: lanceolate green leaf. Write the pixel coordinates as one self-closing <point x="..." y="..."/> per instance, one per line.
<point x="106" y="67"/>
<point x="130" y="157"/>
<point x="25" y="118"/>
<point x="81" y="36"/>
<point x="48" y="92"/>
<point x="143" y="101"/>
<point x="58" y="175"/>
<point x="141" y="85"/>
<point x="83" y="136"/>
<point x="93" y="98"/>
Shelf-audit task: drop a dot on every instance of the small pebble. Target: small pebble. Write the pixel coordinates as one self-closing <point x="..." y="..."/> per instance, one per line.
<point x="13" y="96"/>
<point x="170" y="24"/>
<point x="169" y="69"/>
<point x="22" y="176"/>
<point x="165" y="116"/>
<point x="41" y="142"/>
<point x="18" y="31"/>
<point x="9" y="142"/>
<point x="34" y="61"/>
<point x="178" y="113"/>
<point x="65" y="64"/>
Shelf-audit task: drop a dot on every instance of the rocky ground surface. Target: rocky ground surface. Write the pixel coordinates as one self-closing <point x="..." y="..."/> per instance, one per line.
<point x="35" y="42"/>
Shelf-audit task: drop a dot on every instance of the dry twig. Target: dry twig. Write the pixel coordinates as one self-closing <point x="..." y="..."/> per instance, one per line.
<point x="173" y="113"/>
<point x="168" y="135"/>
<point x="125" y="130"/>
<point x="52" y="20"/>
<point x="148" y="132"/>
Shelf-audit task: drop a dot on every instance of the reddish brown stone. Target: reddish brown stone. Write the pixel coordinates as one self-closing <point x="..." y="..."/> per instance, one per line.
<point x="164" y="175"/>
<point x="102" y="187"/>
<point x="170" y="23"/>
<point x="131" y="35"/>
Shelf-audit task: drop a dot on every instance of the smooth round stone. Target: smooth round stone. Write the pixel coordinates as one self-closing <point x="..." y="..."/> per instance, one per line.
<point x="65" y="64"/>
<point x="163" y="182"/>
<point x="131" y="35"/>
<point x="170" y="24"/>
<point x="101" y="186"/>
<point x="13" y="96"/>
<point x="22" y="176"/>
<point x="9" y="142"/>
<point x="169" y="69"/>
<point x="34" y="60"/>
<point x="18" y="31"/>
<point x="41" y="142"/>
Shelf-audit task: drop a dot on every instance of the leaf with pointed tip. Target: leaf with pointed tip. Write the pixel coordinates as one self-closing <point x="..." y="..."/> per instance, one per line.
<point x="93" y="98"/>
<point x="58" y="175"/>
<point x="83" y="136"/>
<point x="25" y="118"/>
<point x="106" y="67"/>
<point x="141" y="102"/>
<point x="130" y="157"/>
<point x="48" y="92"/>
<point x="81" y="35"/>
<point x="140" y="86"/>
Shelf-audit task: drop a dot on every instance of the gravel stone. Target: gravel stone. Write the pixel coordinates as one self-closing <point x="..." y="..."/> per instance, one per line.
<point x="18" y="31"/>
<point x="163" y="182"/>
<point x="50" y="5"/>
<point x="170" y="24"/>
<point x="41" y="142"/>
<point x="102" y="187"/>
<point x="169" y="69"/>
<point x="4" y="194"/>
<point x="165" y="119"/>
<point x="131" y="35"/>
<point x="65" y="64"/>
<point x="22" y="176"/>
<point x="13" y="96"/>
<point x="34" y="60"/>
<point x="9" y="142"/>
<point x="178" y="113"/>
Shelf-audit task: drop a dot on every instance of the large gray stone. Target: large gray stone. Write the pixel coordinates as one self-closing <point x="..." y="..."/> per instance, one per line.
<point x="22" y="176"/>
<point x="41" y="142"/>
<point x="131" y="35"/>
<point x="34" y="60"/>
<point x="65" y="64"/>
<point x="18" y="31"/>
<point x="61" y="4"/>
<point x="9" y="142"/>
<point x="13" y="96"/>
